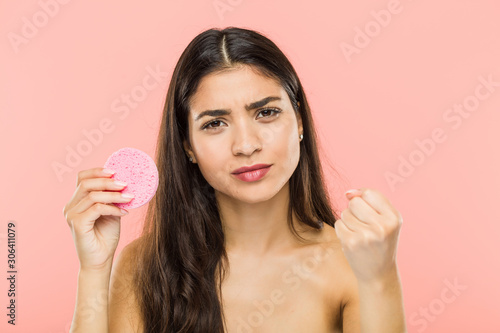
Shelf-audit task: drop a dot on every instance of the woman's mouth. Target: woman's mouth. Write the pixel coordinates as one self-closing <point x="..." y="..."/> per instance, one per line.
<point x="252" y="176"/>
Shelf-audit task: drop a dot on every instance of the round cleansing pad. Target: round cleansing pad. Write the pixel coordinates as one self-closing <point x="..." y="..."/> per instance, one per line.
<point x="139" y="171"/>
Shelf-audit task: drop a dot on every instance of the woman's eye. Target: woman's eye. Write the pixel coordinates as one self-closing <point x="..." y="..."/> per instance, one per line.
<point x="267" y="111"/>
<point x="270" y="110"/>
<point x="210" y="123"/>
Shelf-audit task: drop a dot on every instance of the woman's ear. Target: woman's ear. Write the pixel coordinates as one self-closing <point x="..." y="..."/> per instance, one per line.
<point x="187" y="149"/>
<point x="299" y="122"/>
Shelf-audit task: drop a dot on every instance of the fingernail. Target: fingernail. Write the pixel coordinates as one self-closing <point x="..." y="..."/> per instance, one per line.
<point x="123" y="211"/>
<point x="108" y="171"/>
<point x="351" y="193"/>
<point x="127" y="195"/>
<point x="119" y="183"/>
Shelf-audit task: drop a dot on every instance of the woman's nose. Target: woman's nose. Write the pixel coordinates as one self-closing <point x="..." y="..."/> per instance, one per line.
<point x="246" y="140"/>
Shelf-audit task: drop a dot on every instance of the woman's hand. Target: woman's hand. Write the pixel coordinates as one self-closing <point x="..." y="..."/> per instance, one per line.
<point x="93" y="219"/>
<point x="368" y="231"/>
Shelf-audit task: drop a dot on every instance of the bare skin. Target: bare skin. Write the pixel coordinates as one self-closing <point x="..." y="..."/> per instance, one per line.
<point x="275" y="283"/>
<point x="300" y="290"/>
<point x="268" y="266"/>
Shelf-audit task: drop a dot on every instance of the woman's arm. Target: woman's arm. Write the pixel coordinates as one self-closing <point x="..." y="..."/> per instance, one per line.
<point x="368" y="231"/>
<point x="91" y="308"/>
<point x="123" y="310"/>
<point x="381" y="305"/>
<point x="95" y="226"/>
<point x="375" y="307"/>
<point x="105" y="301"/>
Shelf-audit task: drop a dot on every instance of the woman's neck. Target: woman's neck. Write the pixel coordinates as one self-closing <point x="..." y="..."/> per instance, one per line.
<point x="257" y="228"/>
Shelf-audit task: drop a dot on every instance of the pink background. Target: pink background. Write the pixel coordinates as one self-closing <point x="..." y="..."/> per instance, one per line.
<point x="371" y="108"/>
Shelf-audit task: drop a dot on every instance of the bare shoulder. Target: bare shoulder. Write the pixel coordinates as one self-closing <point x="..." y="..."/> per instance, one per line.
<point x="123" y="309"/>
<point x="341" y="283"/>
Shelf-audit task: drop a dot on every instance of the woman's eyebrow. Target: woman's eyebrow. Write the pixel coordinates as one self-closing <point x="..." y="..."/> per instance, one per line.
<point x="251" y="106"/>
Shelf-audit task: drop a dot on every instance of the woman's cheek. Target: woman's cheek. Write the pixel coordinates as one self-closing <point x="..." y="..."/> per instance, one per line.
<point x="213" y="166"/>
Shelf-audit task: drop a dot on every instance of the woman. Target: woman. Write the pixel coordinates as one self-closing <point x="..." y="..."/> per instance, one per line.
<point x="224" y="250"/>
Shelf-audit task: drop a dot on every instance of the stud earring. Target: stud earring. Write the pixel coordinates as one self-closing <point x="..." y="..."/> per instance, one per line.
<point x="301" y="136"/>
<point x="190" y="159"/>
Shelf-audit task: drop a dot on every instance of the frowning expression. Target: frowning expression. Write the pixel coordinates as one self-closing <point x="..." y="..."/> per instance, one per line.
<point x="241" y="118"/>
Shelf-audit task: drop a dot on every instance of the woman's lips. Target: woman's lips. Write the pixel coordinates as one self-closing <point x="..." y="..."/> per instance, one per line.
<point x="252" y="176"/>
<point x="250" y="168"/>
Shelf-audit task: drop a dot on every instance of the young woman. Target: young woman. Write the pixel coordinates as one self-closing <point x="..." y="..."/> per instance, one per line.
<point x="240" y="235"/>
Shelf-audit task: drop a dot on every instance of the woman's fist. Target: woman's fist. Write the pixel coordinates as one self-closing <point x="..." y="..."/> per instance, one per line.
<point x="368" y="231"/>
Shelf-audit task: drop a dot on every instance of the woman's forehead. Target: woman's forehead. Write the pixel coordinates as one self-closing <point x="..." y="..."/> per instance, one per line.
<point x="238" y="87"/>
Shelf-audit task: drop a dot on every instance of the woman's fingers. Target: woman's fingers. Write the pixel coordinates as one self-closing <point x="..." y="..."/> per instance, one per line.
<point x="104" y="197"/>
<point x="92" y="180"/>
<point x="92" y="217"/>
<point x="91" y="173"/>
<point x="84" y="222"/>
<point x="349" y="220"/>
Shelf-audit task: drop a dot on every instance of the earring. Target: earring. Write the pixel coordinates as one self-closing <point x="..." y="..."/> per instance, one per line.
<point x="301" y="136"/>
<point x="190" y="159"/>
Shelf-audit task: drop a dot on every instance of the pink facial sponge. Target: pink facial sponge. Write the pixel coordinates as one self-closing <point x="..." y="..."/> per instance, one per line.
<point x="139" y="171"/>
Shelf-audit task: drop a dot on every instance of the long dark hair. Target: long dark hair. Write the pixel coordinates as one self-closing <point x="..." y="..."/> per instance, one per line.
<point x="182" y="259"/>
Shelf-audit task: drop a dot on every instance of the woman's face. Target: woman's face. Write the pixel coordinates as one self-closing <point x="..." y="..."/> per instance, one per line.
<point x="266" y="134"/>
